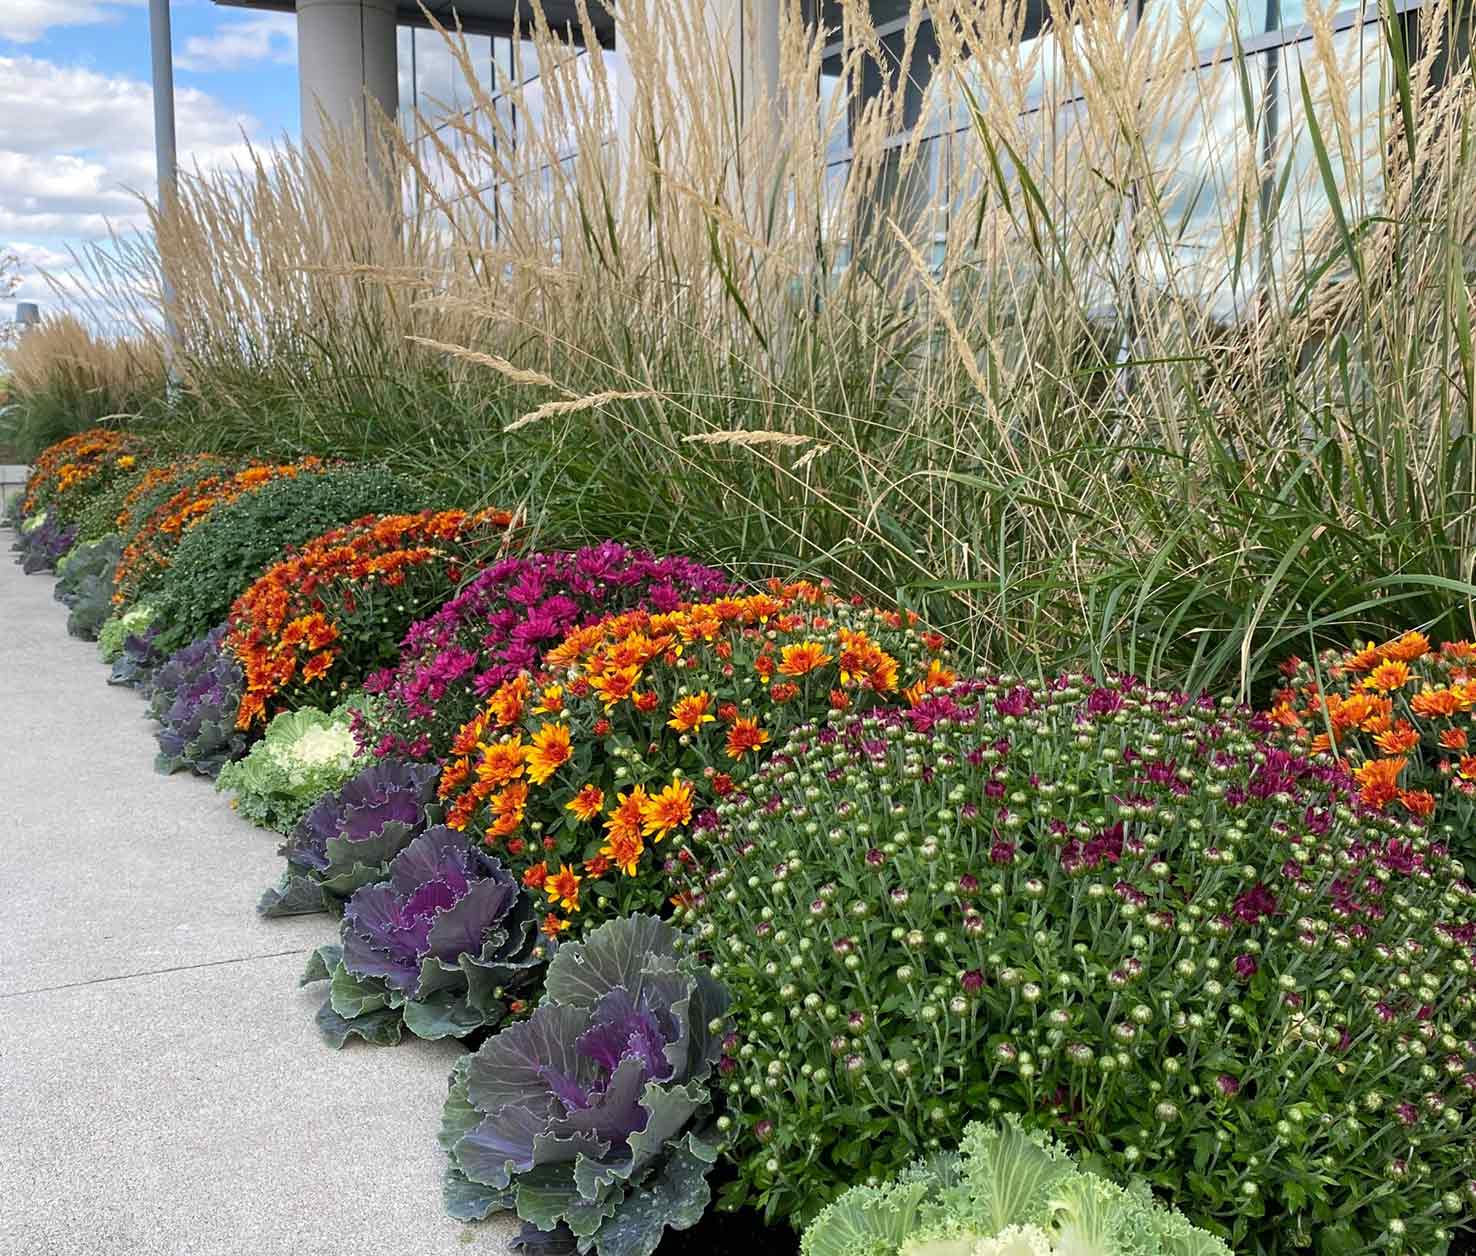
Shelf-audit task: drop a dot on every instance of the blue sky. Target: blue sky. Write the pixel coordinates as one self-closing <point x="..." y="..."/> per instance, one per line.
<point x="76" y="113"/>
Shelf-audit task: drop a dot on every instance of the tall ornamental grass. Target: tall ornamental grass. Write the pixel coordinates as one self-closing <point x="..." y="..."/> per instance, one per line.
<point x="1136" y="365"/>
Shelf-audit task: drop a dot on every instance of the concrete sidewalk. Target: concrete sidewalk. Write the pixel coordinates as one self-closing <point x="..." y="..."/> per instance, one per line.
<point x="163" y="1088"/>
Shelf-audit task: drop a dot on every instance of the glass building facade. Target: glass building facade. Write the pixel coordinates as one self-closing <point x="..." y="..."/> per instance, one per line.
<point x="1242" y="87"/>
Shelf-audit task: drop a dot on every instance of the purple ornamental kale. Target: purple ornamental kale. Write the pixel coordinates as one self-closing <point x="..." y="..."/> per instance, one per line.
<point x="348" y="837"/>
<point x="44" y="546"/>
<point x="438" y="946"/>
<point x="134" y="668"/>
<point x="503" y="623"/>
<point x="194" y="695"/>
<point x="601" y="1098"/>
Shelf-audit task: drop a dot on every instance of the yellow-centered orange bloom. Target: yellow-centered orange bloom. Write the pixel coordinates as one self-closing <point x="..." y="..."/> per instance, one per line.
<point x="507" y="703"/>
<point x="587" y="802"/>
<point x="744" y="735"/>
<point x="690" y="713"/>
<point x="624" y="850"/>
<point x="549" y="752"/>
<point x="668" y="810"/>
<point x="502" y="761"/>
<point x="551" y="701"/>
<point x="563" y="888"/>
<point x="615" y="686"/>
<point x="626" y="819"/>
<point x="802" y="658"/>
<point x="1387" y="676"/>
<point x="1364" y="660"/>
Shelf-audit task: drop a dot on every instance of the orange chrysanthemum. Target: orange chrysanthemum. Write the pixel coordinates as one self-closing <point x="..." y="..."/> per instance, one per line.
<point x="1432" y="703"/>
<point x="1400" y="739"/>
<point x="502" y="761"/>
<point x="688" y="714"/>
<point x="551" y="749"/>
<point x="1388" y="676"/>
<point x="1406" y="648"/>
<point x="802" y="658"/>
<point x="626" y="819"/>
<point x="667" y="811"/>
<point x="1378" y="781"/>
<point x="624" y="850"/>
<point x="587" y="803"/>
<point x="1454" y="739"/>
<point x="743" y="736"/>
<point x="563" y="888"/>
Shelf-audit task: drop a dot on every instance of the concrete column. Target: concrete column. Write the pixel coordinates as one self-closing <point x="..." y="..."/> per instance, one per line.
<point x="346" y="56"/>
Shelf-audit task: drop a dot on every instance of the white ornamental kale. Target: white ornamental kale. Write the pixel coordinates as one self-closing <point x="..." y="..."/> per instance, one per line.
<point x="303" y="756"/>
<point x="593" y="1118"/>
<point x="1006" y="1192"/>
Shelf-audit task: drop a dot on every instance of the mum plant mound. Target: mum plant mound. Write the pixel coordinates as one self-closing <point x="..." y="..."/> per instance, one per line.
<point x="150" y="546"/>
<point x="86" y="586"/>
<point x="594" y="1117"/>
<point x="212" y="566"/>
<point x="303" y="755"/>
<point x="348" y="837"/>
<point x="1401" y="715"/>
<point x="323" y="619"/>
<point x="443" y="946"/>
<point x="66" y="475"/>
<point x="1123" y="914"/>
<point x="501" y="624"/>
<point x="98" y="516"/>
<point x="595" y="781"/>
<point x="1005" y="1192"/>
<point x="194" y="695"/>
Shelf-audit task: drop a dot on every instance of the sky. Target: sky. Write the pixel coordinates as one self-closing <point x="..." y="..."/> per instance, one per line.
<point x="77" y="123"/>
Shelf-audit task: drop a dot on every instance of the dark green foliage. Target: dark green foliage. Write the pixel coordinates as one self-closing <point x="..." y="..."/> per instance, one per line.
<point x="100" y="516"/>
<point x="214" y="564"/>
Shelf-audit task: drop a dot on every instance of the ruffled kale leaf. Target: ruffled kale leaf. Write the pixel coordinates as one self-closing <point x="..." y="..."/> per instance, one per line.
<point x="594" y="1116"/>
<point x="194" y="696"/>
<point x="347" y="838"/>
<point x="442" y="945"/>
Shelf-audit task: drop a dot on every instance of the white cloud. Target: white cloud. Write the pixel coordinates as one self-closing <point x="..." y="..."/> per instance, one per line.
<point x="70" y="174"/>
<point x="25" y="21"/>
<point x="239" y="41"/>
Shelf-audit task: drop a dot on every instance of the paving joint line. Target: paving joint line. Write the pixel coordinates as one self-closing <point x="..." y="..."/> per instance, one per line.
<point x="152" y="972"/>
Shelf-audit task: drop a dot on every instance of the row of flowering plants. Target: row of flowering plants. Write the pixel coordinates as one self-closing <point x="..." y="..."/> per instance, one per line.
<point x="67" y="474"/>
<point x="755" y="877"/>
<point x="147" y="553"/>
<point x="501" y="625"/>
<point x="1401" y="715"/>
<point x="327" y="616"/>
<point x="597" y="778"/>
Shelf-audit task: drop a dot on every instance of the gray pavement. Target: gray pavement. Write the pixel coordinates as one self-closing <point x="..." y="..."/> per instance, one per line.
<point x="163" y="1089"/>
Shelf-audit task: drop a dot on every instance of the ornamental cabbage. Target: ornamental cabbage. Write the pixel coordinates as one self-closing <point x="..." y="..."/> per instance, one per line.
<point x="43" y="544"/>
<point x="439" y="946"/>
<point x="86" y="587"/>
<point x="194" y="696"/>
<point x="594" y="1116"/>
<point x="347" y="838"/>
<point x="1005" y="1193"/>
<point x="120" y="627"/>
<point x="304" y="754"/>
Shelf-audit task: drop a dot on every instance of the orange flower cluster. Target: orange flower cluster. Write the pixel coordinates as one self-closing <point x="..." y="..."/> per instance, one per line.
<point x="157" y="478"/>
<point x="148" y="551"/>
<point x="1400" y="713"/>
<point x="637" y="723"/>
<point x="91" y="457"/>
<point x="341" y="604"/>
